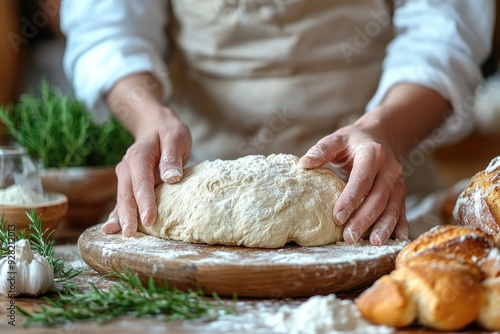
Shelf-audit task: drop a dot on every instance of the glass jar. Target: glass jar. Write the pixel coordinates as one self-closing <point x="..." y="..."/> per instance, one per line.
<point x="16" y="168"/>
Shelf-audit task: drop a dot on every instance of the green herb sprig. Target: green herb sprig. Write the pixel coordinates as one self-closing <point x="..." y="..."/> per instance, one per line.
<point x="40" y="242"/>
<point x="128" y="296"/>
<point x="57" y="131"/>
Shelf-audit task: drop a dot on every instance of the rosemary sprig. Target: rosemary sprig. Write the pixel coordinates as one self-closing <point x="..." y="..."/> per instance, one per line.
<point x="5" y="235"/>
<point x="127" y="297"/>
<point x="40" y="242"/>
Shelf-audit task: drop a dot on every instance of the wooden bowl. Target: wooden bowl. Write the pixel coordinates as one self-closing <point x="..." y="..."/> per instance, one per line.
<point x="91" y="192"/>
<point x="53" y="212"/>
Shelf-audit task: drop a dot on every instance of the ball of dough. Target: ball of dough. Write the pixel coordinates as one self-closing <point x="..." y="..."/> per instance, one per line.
<point x="254" y="201"/>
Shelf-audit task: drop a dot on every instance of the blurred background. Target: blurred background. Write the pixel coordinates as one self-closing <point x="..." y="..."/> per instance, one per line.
<point x="32" y="46"/>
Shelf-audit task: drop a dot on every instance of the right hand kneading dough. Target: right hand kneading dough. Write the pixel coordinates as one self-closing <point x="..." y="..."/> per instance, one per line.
<point x="254" y="201"/>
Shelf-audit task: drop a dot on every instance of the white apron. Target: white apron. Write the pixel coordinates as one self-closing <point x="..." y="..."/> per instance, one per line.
<point x="274" y="76"/>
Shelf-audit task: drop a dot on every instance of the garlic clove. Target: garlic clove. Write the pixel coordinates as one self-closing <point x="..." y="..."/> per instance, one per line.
<point x="41" y="282"/>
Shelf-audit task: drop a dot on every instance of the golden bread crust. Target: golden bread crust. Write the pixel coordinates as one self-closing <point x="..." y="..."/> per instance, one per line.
<point x="386" y="303"/>
<point x="462" y="243"/>
<point x="447" y="298"/>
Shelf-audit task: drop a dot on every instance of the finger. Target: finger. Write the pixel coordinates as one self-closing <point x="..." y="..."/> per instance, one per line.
<point x="386" y="223"/>
<point x="369" y="211"/>
<point x="363" y="174"/>
<point x="141" y="163"/>
<point x="401" y="231"/>
<point x="112" y="225"/>
<point x="323" y="152"/>
<point x="125" y="202"/>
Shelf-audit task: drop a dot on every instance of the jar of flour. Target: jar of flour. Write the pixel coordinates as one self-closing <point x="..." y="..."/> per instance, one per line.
<point x="20" y="183"/>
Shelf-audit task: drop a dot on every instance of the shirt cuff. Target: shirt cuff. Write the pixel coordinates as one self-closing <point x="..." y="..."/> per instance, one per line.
<point x="112" y="63"/>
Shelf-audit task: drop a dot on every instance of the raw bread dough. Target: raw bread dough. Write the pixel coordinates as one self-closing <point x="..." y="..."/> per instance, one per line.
<point x="254" y="201"/>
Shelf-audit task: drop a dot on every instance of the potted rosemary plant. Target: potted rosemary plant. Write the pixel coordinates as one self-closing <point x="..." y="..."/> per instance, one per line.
<point x="75" y="156"/>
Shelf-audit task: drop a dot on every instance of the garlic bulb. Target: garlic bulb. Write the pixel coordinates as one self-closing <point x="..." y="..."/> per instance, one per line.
<point x="24" y="273"/>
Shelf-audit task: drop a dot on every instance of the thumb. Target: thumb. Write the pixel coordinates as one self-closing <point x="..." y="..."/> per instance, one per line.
<point x="175" y="152"/>
<point x="320" y="154"/>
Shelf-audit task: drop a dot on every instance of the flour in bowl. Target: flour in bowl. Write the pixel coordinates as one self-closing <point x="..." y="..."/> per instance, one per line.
<point x="20" y="195"/>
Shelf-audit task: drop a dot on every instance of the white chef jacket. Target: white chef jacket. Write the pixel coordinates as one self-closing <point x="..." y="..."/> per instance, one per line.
<point x="260" y="76"/>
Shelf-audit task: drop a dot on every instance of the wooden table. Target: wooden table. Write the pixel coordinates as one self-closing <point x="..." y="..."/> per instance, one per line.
<point x="245" y="321"/>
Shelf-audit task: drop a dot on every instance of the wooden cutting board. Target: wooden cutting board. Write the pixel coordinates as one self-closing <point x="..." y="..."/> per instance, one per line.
<point x="292" y="271"/>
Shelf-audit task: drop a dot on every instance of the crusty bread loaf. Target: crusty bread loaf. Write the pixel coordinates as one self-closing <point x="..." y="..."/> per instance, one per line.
<point x="439" y="281"/>
<point x="479" y="204"/>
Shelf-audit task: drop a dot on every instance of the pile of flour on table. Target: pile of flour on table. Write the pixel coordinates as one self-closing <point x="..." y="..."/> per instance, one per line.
<point x="318" y="315"/>
<point x="323" y="315"/>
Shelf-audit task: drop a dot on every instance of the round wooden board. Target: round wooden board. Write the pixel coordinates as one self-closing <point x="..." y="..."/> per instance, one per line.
<point x="292" y="271"/>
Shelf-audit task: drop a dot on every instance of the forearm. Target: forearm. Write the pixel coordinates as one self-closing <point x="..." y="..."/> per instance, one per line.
<point x="137" y="102"/>
<point x="447" y="62"/>
<point x="408" y="114"/>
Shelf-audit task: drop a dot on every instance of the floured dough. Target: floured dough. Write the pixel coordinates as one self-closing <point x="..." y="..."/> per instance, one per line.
<point x="254" y="201"/>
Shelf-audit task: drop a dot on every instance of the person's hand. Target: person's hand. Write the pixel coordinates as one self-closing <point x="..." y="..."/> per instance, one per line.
<point x="367" y="153"/>
<point x="157" y="156"/>
<point x="374" y="195"/>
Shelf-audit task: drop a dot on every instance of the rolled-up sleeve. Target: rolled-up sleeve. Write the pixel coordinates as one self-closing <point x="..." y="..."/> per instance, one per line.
<point x="440" y="44"/>
<point x="108" y="40"/>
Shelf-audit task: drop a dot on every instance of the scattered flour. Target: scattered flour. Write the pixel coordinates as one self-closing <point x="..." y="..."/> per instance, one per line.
<point x="20" y="195"/>
<point x="323" y="315"/>
<point x="71" y="257"/>
<point x="318" y="315"/>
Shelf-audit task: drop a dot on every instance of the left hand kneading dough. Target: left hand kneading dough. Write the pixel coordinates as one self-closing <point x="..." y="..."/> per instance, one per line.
<point x="254" y="201"/>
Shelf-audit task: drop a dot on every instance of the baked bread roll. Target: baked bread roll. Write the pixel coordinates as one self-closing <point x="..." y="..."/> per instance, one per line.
<point x="440" y="282"/>
<point x="436" y="291"/>
<point x="479" y="204"/>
